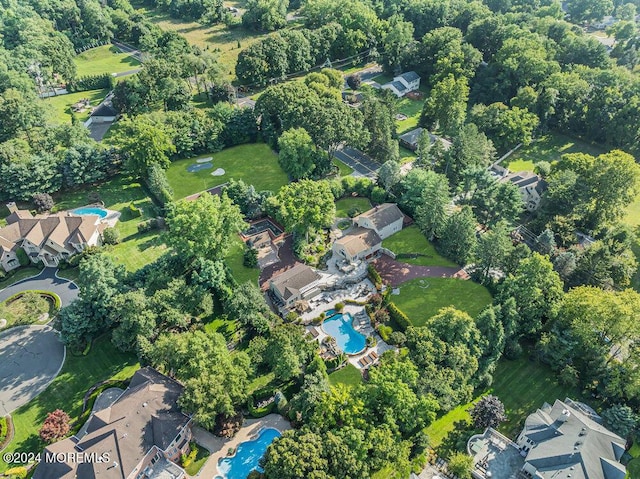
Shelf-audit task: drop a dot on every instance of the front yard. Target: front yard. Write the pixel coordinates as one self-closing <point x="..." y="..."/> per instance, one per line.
<point x="422" y="298"/>
<point x="256" y="164"/>
<point x="411" y="241"/>
<point x="104" y="59"/>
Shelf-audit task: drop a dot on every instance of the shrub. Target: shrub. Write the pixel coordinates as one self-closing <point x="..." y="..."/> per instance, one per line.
<point x="371" y="341"/>
<point x="19" y="472"/>
<point x="378" y="195"/>
<point x="354" y="81"/>
<point x="56" y="426"/>
<point x="398" y="317"/>
<point x="374" y="276"/>
<point x="148" y="225"/>
<point x="397" y="338"/>
<point x="385" y="332"/>
<point x="42" y="201"/>
<point x="291" y="317"/>
<point x="158" y="184"/>
<point x="185" y="459"/>
<point x="110" y="236"/>
<point x="460" y="464"/>
<point x="250" y="257"/>
<point x="134" y="211"/>
<point x="23" y="258"/>
<point x="91" y="82"/>
<point x="512" y="349"/>
<point x="339" y="307"/>
<point x="318" y="320"/>
<point x="381" y="316"/>
<point x="354" y="211"/>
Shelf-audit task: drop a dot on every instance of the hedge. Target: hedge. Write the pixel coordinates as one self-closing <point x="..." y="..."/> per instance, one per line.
<point x="158" y="185"/>
<point x="258" y="412"/>
<point x="398" y="317"/>
<point x="374" y="276"/>
<point x="91" y="82"/>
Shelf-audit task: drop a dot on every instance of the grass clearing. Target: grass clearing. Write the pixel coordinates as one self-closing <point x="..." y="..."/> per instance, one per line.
<point x="349" y="376"/>
<point x="406" y="155"/>
<point x="411" y="241"/>
<point x="344" y="169"/>
<point x="344" y="205"/>
<point x="256" y="164"/>
<point x="550" y="148"/>
<point x="235" y="261"/>
<point x="104" y="59"/>
<point x="522" y="385"/>
<point x="60" y="106"/>
<point x="67" y="390"/>
<point x="412" y="110"/>
<point x="422" y="298"/>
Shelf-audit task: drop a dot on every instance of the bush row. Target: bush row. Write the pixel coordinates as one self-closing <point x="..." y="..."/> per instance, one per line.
<point x="374" y="276"/>
<point x="158" y="185"/>
<point x="398" y="317"/>
<point x="91" y="82"/>
<point x="57" y="304"/>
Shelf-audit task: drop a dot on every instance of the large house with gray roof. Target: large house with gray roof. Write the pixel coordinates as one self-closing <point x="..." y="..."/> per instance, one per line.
<point x="403" y="84"/>
<point x="47" y="238"/>
<point x="566" y="440"/>
<point x="295" y="284"/>
<point x="140" y="435"/>
<point x="531" y="187"/>
<point x="385" y="219"/>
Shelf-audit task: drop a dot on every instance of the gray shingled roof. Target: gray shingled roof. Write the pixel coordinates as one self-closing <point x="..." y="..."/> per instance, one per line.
<point x="293" y="280"/>
<point x="383" y="215"/>
<point x="410" y="76"/>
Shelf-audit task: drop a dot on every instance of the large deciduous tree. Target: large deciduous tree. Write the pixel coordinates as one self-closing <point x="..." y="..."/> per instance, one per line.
<point x="458" y="238"/>
<point x="446" y="108"/>
<point x="488" y="412"/>
<point x="298" y="155"/>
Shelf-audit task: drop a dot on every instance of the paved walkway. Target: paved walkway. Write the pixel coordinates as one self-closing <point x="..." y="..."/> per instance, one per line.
<point x="396" y="272"/>
<point x="46" y="281"/>
<point x="219" y="446"/>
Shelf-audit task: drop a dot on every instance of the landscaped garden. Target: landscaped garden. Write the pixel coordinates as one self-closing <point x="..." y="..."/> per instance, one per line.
<point x="422" y="298"/>
<point x="345" y="207"/>
<point x="349" y="376"/>
<point x="67" y="390"/>
<point x="411" y="241"/>
<point x="104" y="59"/>
<point x="26" y="308"/>
<point x="60" y="106"/>
<point x="256" y="164"/>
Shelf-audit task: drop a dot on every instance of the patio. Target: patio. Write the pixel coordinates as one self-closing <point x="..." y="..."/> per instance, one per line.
<point x="494" y="455"/>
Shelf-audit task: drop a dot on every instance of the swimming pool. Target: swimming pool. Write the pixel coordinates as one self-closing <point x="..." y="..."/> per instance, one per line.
<point x="91" y="210"/>
<point x="247" y="456"/>
<point x="340" y="327"/>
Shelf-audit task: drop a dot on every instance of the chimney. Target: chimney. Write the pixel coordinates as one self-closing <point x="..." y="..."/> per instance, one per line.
<point x="12" y="207"/>
<point x="564" y="417"/>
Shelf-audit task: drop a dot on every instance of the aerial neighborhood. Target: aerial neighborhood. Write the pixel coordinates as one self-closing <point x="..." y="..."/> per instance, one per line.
<point x="311" y="239"/>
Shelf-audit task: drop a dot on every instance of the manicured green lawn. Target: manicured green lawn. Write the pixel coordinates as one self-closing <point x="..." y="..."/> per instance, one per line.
<point x="412" y="109"/>
<point x="411" y="240"/>
<point x="234" y="260"/>
<point x="406" y="155"/>
<point x="60" y="106"/>
<point x="344" y="169"/>
<point x="202" y="456"/>
<point x="21" y="273"/>
<point x="104" y="59"/>
<point x="421" y="299"/>
<point x="138" y="250"/>
<point x="549" y="148"/>
<point x="344" y="205"/>
<point x="633" y="468"/>
<point x="522" y="385"/>
<point x="255" y="164"/>
<point x="67" y="391"/>
<point x="349" y="375"/>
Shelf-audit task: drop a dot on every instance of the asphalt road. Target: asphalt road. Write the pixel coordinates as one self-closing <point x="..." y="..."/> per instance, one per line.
<point x="361" y="164"/>
<point x="46" y="281"/>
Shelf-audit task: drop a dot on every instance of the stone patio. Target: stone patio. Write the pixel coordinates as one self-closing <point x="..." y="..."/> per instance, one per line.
<point x="495" y="456"/>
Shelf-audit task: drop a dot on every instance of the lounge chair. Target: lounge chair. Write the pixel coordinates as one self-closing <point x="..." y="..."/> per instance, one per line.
<point x="374" y="355"/>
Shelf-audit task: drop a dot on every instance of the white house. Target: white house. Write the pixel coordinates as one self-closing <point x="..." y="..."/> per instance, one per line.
<point x="295" y="284"/>
<point x="403" y="84"/>
<point x="384" y="219"/>
<point x="357" y="244"/>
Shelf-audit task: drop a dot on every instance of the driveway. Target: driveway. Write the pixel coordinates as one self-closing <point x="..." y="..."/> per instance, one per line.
<point x="395" y="272"/>
<point x="358" y="161"/>
<point x="46" y="281"/>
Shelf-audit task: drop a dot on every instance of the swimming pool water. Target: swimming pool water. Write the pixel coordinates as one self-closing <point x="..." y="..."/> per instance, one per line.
<point x="340" y="327"/>
<point x="247" y="456"/>
<point x="91" y="210"/>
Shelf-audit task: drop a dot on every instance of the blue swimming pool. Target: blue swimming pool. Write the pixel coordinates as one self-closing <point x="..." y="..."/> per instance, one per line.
<point x="247" y="456"/>
<point x="340" y="327"/>
<point x="91" y="210"/>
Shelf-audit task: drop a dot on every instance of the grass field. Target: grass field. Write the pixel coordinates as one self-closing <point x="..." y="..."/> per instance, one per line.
<point x="104" y="59"/>
<point x="234" y="260"/>
<point x="60" y="106"/>
<point x="255" y="163"/>
<point x="412" y="109"/>
<point x="522" y="385"/>
<point x="344" y="169"/>
<point x="420" y="299"/>
<point x="344" y="205"/>
<point x="349" y="375"/>
<point x="411" y="240"/>
<point x="67" y="390"/>
<point x="549" y="148"/>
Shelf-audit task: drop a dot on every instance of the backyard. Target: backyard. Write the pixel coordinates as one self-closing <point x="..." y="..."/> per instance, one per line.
<point x="104" y="59"/>
<point x="522" y="385"/>
<point x="412" y="110"/>
<point x="234" y="260"/>
<point x="77" y="376"/>
<point x="420" y="299"/>
<point x="60" y="106"/>
<point x="346" y="205"/>
<point x="349" y="376"/>
<point x="411" y="241"/>
<point x="256" y="164"/>
<point x="343" y="169"/>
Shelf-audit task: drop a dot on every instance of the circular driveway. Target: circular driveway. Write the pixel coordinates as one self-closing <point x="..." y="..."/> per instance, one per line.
<point x="45" y="281"/>
<point x="30" y="358"/>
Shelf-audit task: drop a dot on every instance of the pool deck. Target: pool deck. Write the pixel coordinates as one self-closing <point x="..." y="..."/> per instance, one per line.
<point x="218" y="446"/>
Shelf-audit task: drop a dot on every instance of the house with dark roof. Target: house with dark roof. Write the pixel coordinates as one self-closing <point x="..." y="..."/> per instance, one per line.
<point x="295" y="284"/>
<point x="411" y="138"/>
<point x="567" y="440"/>
<point x="357" y="244"/>
<point x="403" y="84"/>
<point x="531" y="187"/>
<point x="140" y="435"/>
<point x="384" y="219"/>
<point x="47" y="238"/>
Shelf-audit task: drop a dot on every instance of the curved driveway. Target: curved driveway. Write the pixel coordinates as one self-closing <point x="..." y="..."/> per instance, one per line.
<point x="46" y="281"/>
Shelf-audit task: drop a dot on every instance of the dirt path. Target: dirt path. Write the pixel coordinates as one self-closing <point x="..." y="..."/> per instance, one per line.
<point x="395" y="273"/>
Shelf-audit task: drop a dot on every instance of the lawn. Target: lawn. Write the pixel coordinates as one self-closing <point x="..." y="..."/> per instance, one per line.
<point x="349" y="376"/>
<point x="344" y="169"/>
<point x="411" y="241"/>
<point x="255" y="163"/>
<point x="406" y="155"/>
<point x="104" y="59"/>
<point x="201" y="457"/>
<point x="412" y="109"/>
<point x="19" y="274"/>
<point x="421" y="299"/>
<point x="522" y="385"/>
<point x="26" y="309"/>
<point x="60" y="106"/>
<point x="234" y="260"/>
<point x="134" y="250"/>
<point x="67" y="391"/>
<point x="345" y="205"/>
<point x="549" y="148"/>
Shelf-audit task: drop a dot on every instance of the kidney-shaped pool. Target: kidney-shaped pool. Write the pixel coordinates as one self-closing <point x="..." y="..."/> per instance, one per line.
<point x="247" y="456"/>
<point x="340" y="327"/>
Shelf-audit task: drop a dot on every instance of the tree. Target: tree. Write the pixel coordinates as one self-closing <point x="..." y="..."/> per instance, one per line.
<point x="470" y="149"/>
<point x="460" y="465"/>
<point x="298" y="155"/>
<point x="620" y="419"/>
<point x="246" y="305"/>
<point x="458" y="238"/>
<point x="491" y="252"/>
<point x="56" y="426"/>
<point x="205" y="227"/>
<point x="389" y="174"/>
<point x="446" y="108"/>
<point x="43" y="202"/>
<point x="296" y="454"/>
<point x="265" y="15"/>
<point x="379" y="121"/>
<point x="287" y="352"/>
<point x="431" y="211"/>
<point x="589" y="10"/>
<point x="492" y="201"/>
<point x="354" y="81"/>
<point x="488" y="412"/>
<point x="145" y="144"/>
<point x="133" y="318"/>
<point x="110" y="236"/>
<point x="505" y="126"/>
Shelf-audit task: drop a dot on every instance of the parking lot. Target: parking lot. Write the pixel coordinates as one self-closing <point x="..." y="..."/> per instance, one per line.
<point x="361" y="164"/>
